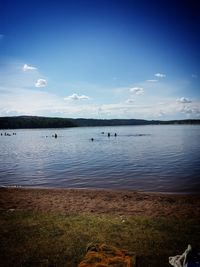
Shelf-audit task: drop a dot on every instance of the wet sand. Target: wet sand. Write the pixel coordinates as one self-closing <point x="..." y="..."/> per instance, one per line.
<point x="100" y="201"/>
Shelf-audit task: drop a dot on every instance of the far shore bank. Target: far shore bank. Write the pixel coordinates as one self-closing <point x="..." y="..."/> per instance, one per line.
<point x="100" y="201"/>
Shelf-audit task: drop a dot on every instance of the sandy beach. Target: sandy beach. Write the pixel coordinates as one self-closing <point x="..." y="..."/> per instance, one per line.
<point x="101" y="202"/>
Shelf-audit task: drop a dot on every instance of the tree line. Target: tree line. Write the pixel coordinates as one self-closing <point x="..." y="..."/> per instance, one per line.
<point x="28" y="122"/>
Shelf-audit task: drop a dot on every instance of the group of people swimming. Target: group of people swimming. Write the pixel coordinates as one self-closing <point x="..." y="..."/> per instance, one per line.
<point x="55" y="135"/>
<point x="109" y="134"/>
<point x="8" y="134"/>
<point x="114" y="135"/>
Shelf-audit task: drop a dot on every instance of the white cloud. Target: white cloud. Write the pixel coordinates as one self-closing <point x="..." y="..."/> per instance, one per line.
<point x="137" y="90"/>
<point x="130" y="101"/>
<point x="12" y="75"/>
<point x="183" y="100"/>
<point x="152" y="81"/>
<point x="76" y="97"/>
<point x="17" y="101"/>
<point x="160" y="75"/>
<point x="41" y="83"/>
<point x="28" y="67"/>
<point x="191" y="111"/>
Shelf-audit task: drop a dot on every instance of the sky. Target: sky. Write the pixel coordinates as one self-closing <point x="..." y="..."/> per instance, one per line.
<point x="100" y="59"/>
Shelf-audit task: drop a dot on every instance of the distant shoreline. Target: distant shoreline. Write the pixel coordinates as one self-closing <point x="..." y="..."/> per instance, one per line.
<point x="34" y="122"/>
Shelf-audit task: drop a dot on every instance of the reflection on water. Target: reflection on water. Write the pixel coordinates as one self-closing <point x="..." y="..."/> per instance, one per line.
<point x="150" y="158"/>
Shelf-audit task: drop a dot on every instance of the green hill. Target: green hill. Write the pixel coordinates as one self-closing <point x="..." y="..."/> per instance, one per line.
<point x="28" y="122"/>
<point x="25" y="122"/>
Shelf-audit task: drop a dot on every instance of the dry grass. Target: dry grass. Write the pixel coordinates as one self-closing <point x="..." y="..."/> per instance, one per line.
<point x="30" y="238"/>
<point x="44" y="227"/>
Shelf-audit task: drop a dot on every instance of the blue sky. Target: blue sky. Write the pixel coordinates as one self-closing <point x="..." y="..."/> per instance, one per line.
<point x="100" y="59"/>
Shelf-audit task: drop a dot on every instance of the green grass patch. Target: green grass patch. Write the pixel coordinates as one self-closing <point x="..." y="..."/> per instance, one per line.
<point x="47" y="239"/>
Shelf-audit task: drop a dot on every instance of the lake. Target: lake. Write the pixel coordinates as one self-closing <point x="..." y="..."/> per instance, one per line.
<point x="160" y="158"/>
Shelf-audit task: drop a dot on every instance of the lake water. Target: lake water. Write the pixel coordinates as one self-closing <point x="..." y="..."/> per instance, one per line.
<point x="148" y="158"/>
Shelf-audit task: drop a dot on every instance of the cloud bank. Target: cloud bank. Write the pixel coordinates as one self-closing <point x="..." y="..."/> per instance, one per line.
<point x="16" y="101"/>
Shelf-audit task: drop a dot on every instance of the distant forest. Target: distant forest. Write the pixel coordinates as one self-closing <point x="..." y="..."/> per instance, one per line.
<point x="28" y="122"/>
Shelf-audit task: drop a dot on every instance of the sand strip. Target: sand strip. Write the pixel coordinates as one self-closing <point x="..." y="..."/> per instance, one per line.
<point x="100" y="201"/>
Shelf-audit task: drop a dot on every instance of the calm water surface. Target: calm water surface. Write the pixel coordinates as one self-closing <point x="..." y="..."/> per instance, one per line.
<point x="148" y="158"/>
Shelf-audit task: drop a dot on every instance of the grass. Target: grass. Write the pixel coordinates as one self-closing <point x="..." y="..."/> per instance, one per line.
<point x="50" y="239"/>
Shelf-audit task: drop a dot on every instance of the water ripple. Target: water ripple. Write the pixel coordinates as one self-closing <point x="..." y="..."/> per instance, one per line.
<point x="150" y="158"/>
